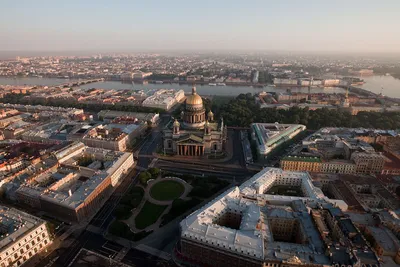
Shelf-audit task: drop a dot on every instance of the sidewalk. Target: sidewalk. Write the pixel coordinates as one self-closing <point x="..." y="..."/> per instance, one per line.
<point x="147" y="197"/>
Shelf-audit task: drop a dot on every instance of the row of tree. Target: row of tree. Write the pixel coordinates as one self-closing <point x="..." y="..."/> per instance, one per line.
<point x="242" y="111"/>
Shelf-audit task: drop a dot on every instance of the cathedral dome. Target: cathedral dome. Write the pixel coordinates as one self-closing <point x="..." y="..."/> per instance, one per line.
<point x="194" y="98"/>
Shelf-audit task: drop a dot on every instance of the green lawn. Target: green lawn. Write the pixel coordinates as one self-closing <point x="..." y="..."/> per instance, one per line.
<point x="148" y="214"/>
<point x="167" y="190"/>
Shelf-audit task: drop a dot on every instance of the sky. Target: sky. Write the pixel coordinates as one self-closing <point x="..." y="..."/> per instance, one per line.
<point x="217" y="25"/>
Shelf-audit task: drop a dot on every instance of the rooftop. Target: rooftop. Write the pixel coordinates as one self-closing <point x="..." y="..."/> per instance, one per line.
<point x="255" y="238"/>
<point x="15" y="224"/>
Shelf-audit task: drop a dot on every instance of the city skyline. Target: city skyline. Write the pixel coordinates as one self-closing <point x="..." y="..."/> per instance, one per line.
<point x="121" y="26"/>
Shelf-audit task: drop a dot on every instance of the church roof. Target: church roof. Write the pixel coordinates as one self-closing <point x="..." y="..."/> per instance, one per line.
<point x="190" y="137"/>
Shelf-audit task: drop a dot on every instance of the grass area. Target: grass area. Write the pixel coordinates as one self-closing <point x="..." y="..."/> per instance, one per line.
<point x="203" y="187"/>
<point x="148" y="215"/>
<point x="219" y="155"/>
<point x="285" y="190"/>
<point x="167" y="190"/>
<point x="121" y="229"/>
<point x="179" y="206"/>
<point x="130" y="201"/>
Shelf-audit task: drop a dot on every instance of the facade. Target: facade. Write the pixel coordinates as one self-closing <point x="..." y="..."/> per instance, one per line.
<point x="112" y="136"/>
<point x="368" y="162"/>
<point x="309" y="164"/>
<point x="268" y="136"/>
<point x="195" y="134"/>
<point x="246" y="226"/>
<point x="339" y="166"/>
<point x="78" y="185"/>
<point x="22" y="236"/>
<point x="342" y="151"/>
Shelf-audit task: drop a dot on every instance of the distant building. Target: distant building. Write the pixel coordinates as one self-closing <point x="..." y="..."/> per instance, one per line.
<point x="331" y="82"/>
<point x="285" y="82"/>
<point x="255" y="77"/>
<point x="110" y="115"/>
<point x="141" y="75"/>
<point x="22" y="236"/>
<point x="362" y="72"/>
<point x="164" y="99"/>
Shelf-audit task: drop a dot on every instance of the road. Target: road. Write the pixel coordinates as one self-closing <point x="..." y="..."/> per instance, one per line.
<point x="95" y="241"/>
<point x="165" y="238"/>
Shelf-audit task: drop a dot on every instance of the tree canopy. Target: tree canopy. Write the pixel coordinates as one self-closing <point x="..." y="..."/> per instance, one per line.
<point x="242" y="111"/>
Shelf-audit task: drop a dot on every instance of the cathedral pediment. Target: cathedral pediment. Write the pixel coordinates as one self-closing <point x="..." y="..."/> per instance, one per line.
<point x="191" y="139"/>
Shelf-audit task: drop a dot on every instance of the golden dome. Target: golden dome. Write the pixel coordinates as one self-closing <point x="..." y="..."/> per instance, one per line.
<point x="210" y="113"/>
<point x="194" y="98"/>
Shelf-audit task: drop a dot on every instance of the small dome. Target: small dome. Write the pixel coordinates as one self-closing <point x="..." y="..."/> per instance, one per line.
<point x="210" y="113"/>
<point x="176" y="123"/>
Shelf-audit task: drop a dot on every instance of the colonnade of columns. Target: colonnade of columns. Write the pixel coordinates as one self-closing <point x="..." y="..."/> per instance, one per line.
<point x="196" y="118"/>
<point x="190" y="150"/>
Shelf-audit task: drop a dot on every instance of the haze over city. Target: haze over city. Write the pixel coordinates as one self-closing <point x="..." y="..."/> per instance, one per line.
<point x="117" y="26"/>
<point x="200" y="133"/>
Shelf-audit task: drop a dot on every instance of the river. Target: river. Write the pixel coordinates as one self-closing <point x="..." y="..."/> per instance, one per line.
<point x="201" y="89"/>
<point x="391" y="86"/>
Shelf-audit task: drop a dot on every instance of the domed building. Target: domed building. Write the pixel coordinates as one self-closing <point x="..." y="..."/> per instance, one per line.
<point x="194" y="134"/>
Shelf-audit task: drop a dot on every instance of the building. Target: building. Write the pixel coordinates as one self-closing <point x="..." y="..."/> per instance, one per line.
<point x="247" y="226"/>
<point x="331" y="82"/>
<point x="195" y="134"/>
<point x="385" y="242"/>
<point x="112" y="136"/>
<point x="367" y="163"/>
<point x="309" y="164"/>
<point x="269" y="136"/>
<point x="340" y="150"/>
<point x="79" y="184"/>
<point x="339" y="166"/>
<point x="285" y="82"/>
<point x="110" y="115"/>
<point x="21" y="236"/>
<point x="164" y="99"/>
<point x="140" y="75"/>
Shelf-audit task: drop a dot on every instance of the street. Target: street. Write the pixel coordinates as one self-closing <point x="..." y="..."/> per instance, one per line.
<point x="233" y="170"/>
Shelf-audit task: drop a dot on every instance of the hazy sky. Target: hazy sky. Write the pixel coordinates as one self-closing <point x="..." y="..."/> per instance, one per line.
<point x="296" y="25"/>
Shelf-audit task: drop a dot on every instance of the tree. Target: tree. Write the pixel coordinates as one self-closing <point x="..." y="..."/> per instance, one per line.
<point x="154" y="172"/>
<point x="144" y="177"/>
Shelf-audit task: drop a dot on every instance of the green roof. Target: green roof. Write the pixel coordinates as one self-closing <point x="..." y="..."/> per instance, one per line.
<point x="306" y="159"/>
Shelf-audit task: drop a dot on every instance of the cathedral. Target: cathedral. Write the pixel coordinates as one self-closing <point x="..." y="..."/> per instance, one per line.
<point x="195" y="134"/>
